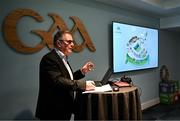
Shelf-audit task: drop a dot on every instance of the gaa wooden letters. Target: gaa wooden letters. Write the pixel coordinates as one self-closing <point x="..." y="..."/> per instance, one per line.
<point x="11" y="36"/>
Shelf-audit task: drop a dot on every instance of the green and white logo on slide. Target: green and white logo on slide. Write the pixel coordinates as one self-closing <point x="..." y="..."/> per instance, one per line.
<point x="136" y="52"/>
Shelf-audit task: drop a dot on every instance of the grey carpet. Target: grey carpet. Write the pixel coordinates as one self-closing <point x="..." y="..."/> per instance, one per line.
<point x="163" y="112"/>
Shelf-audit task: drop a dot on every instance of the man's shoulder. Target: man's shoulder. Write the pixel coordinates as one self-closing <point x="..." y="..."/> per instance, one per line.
<point x="50" y="55"/>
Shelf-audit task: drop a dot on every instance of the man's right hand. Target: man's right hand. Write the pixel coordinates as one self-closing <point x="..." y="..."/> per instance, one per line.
<point x="90" y="85"/>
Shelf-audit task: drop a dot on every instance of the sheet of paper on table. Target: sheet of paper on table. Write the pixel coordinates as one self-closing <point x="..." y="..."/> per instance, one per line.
<point x="103" y="88"/>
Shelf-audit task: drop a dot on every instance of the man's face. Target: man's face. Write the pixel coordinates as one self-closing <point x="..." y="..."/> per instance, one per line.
<point x="67" y="44"/>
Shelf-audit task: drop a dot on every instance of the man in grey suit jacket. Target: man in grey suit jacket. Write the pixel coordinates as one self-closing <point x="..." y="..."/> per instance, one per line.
<point x="58" y="82"/>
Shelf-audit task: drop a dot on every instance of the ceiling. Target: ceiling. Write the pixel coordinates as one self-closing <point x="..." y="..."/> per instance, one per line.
<point x="167" y="11"/>
<point x="153" y="8"/>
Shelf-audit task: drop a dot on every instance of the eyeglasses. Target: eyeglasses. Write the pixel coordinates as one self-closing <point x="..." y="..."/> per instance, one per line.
<point x="68" y="42"/>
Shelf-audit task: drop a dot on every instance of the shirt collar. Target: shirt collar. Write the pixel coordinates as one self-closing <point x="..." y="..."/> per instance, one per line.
<point x="61" y="54"/>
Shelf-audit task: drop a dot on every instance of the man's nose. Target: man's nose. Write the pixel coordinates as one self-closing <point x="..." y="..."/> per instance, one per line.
<point x="72" y="44"/>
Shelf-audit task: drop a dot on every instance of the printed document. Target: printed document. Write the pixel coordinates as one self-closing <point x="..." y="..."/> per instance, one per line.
<point x="103" y="88"/>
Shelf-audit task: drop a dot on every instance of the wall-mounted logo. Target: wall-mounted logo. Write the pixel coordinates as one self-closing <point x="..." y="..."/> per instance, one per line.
<point x="11" y="36"/>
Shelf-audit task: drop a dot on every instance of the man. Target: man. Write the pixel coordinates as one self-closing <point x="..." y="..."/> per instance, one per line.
<point x="58" y="82"/>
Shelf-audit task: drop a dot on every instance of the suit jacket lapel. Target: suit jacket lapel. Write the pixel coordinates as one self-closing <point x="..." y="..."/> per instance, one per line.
<point x="61" y="65"/>
<point x="70" y="66"/>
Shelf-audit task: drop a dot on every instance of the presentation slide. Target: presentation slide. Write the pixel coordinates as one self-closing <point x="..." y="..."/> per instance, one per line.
<point x="134" y="47"/>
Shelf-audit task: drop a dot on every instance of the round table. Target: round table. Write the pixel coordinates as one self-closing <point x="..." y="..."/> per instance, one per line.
<point x="120" y="105"/>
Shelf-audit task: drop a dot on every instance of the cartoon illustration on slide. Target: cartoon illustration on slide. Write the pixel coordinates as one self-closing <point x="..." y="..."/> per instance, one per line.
<point x="136" y="52"/>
